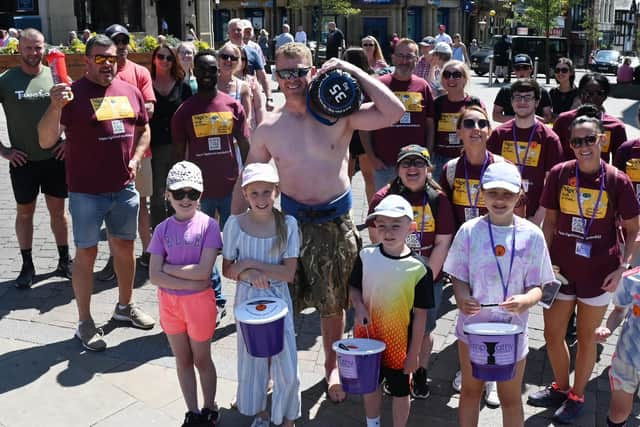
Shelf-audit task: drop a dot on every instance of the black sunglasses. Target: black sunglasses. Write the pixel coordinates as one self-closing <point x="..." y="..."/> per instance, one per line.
<point x="594" y="93"/>
<point x="293" y="73"/>
<point x="452" y="74"/>
<point x="121" y="40"/>
<point x="562" y="70"/>
<point x="471" y="124"/>
<point x="163" y="57"/>
<point x="586" y="141"/>
<point x="191" y="194"/>
<point x="416" y="162"/>
<point x="231" y="58"/>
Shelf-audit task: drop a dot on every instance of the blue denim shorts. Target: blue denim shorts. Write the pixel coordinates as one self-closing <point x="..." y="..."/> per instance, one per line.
<point x="118" y="210"/>
<point x="222" y="205"/>
<point x="432" y="313"/>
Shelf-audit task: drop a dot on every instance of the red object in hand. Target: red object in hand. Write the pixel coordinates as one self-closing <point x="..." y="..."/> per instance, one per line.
<point x="58" y="65"/>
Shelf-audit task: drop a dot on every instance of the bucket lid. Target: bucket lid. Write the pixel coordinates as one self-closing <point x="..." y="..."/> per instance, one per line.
<point x="358" y="346"/>
<point x="261" y="310"/>
<point x="492" y="328"/>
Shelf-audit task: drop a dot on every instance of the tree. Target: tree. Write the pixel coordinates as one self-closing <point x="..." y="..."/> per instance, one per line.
<point x="590" y="27"/>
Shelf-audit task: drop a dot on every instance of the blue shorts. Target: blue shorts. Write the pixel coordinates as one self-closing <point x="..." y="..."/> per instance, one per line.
<point x="432" y="313"/>
<point x="222" y="205"/>
<point x="118" y="210"/>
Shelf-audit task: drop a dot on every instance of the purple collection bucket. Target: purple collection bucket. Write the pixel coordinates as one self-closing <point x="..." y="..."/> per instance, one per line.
<point x="262" y="324"/>
<point x="493" y="349"/>
<point x="359" y="364"/>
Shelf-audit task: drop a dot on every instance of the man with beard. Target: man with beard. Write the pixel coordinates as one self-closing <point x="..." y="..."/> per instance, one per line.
<point x="537" y="148"/>
<point x="416" y="124"/>
<point x="107" y="130"/>
<point x="312" y="161"/>
<point x="24" y="93"/>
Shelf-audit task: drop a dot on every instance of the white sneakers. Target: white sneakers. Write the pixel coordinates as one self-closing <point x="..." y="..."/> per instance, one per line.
<point x="490" y="390"/>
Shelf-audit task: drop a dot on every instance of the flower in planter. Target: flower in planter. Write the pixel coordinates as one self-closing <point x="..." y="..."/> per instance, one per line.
<point x="11" y="48"/>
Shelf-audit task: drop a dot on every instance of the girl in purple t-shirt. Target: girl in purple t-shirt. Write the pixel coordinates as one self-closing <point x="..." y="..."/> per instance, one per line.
<point x="183" y="250"/>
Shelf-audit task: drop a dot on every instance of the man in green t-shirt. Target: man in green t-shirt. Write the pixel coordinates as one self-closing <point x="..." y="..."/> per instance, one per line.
<point x="24" y="94"/>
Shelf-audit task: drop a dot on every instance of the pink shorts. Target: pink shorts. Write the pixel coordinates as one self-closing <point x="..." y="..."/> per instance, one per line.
<point x="194" y="314"/>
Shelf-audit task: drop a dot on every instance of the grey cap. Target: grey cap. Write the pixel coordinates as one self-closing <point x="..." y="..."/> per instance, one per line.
<point x="428" y="41"/>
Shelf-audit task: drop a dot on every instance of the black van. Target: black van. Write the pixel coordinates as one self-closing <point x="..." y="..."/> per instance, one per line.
<point x="531" y="45"/>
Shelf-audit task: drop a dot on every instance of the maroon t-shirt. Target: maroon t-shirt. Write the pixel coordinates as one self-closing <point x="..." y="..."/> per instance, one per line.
<point x="426" y="225"/>
<point x="615" y="134"/>
<point x="446" y="115"/>
<point x="464" y="205"/>
<point x="586" y="274"/>
<point x="627" y="159"/>
<point x="543" y="153"/>
<point x="208" y="126"/>
<point x="100" y="126"/>
<point x="415" y="95"/>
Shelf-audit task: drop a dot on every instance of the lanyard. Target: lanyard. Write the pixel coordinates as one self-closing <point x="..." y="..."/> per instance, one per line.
<point x="425" y="201"/>
<point x="474" y="203"/>
<point x="587" y="226"/>
<point x="505" y="285"/>
<point x="521" y="164"/>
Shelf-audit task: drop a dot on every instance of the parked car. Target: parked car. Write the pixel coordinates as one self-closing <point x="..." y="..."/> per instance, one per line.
<point x="606" y="61"/>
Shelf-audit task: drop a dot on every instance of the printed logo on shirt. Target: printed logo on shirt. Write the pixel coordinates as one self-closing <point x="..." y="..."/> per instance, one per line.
<point x="633" y="169"/>
<point x="214" y="143"/>
<point x="460" y="197"/>
<point x="412" y="101"/>
<point x="112" y="107"/>
<point x="533" y="156"/>
<point x="425" y="222"/>
<point x="607" y="141"/>
<point x="588" y="198"/>
<point x="117" y="126"/>
<point x="447" y="122"/>
<point x="209" y="124"/>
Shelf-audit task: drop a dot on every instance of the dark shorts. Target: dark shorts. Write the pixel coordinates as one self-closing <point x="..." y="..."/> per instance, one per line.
<point x="46" y="176"/>
<point x="327" y="254"/>
<point x="397" y="380"/>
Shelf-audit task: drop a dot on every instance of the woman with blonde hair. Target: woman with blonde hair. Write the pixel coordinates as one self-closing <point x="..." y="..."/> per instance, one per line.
<point x="229" y="61"/>
<point x="373" y="51"/>
<point x="186" y="52"/>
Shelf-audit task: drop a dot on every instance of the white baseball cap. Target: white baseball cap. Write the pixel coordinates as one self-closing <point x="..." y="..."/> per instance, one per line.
<point x="502" y="175"/>
<point x="393" y="206"/>
<point x="262" y="172"/>
<point x="184" y="174"/>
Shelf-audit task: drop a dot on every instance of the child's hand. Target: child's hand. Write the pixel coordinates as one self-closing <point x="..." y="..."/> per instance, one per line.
<point x="469" y="306"/>
<point x="257" y="278"/>
<point x="515" y="304"/>
<point x="361" y="314"/>
<point x="410" y="364"/>
<point x="602" y="333"/>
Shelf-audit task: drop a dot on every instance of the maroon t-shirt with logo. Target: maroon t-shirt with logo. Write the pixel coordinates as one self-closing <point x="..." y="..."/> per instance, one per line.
<point x="544" y="152"/>
<point x="208" y="126"/>
<point x="100" y="126"/>
<point x="415" y="95"/>
<point x="463" y="203"/>
<point x="627" y="159"/>
<point x="614" y="131"/>
<point x="446" y="115"/>
<point x="586" y="274"/>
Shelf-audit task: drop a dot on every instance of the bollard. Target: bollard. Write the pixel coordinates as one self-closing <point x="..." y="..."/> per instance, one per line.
<point x="491" y="70"/>
<point x="535" y="68"/>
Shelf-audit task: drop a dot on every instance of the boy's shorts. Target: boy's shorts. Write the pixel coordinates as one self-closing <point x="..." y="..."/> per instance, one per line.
<point x="622" y="376"/>
<point x="194" y="314"/>
<point x="397" y="380"/>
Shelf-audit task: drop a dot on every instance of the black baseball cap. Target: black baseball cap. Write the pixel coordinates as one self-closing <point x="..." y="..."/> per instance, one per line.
<point x="522" y="59"/>
<point x="115" y="30"/>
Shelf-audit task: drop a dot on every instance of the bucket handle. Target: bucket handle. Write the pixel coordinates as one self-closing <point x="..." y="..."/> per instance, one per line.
<point x="365" y="323"/>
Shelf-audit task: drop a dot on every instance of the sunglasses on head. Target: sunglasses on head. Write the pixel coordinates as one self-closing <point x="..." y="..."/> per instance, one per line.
<point x="164" y="57"/>
<point x="191" y="194"/>
<point x="101" y="59"/>
<point x="586" y="141"/>
<point x="522" y="67"/>
<point x="562" y="70"/>
<point x="293" y="73"/>
<point x="471" y="124"/>
<point x="452" y="74"/>
<point x="227" y="57"/>
<point x="415" y="162"/>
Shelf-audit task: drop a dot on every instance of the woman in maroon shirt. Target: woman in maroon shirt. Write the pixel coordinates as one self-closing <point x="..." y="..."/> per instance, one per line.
<point x="583" y="199"/>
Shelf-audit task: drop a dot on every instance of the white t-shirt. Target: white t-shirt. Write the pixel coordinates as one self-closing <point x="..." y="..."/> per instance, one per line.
<point x="301" y="37"/>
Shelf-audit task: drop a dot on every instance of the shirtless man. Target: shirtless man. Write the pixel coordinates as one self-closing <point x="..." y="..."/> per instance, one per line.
<point x="312" y="161"/>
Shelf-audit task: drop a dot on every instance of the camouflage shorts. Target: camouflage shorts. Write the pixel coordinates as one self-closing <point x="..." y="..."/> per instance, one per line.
<point x="327" y="254"/>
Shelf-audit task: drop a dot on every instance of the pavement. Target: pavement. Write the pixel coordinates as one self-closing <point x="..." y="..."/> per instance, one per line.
<point x="47" y="378"/>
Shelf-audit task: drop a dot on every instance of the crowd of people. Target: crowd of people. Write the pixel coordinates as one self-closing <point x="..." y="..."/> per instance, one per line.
<point x="192" y="156"/>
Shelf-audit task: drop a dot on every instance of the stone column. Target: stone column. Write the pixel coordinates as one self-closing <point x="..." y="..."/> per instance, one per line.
<point x="57" y="20"/>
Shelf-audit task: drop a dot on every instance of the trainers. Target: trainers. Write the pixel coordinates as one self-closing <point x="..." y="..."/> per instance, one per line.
<point x="192" y="419"/>
<point x="570" y="409"/>
<point x="457" y="382"/>
<point x="221" y="312"/>
<point x="64" y="268"/>
<point x="549" y="397"/>
<point x="420" y="386"/>
<point x="25" y="278"/>
<point x="134" y="314"/>
<point x="210" y="417"/>
<point x="107" y="273"/>
<point x="143" y="259"/>
<point x="260" y="422"/>
<point x="90" y="336"/>
<point x="491" y="394"/>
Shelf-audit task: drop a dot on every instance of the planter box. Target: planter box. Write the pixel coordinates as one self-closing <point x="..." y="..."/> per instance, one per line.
<point x="75" y="63"/>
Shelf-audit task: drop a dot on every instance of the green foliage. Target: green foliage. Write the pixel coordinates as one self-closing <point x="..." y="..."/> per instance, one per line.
<point x="148" y="44"/>
<point x="335" y="7"/>
<point x="590" y="26"/>
<point x="200" y="45"/>
<point x="11" y="48"/>
<point x="542" y="14"/>
<point x="76" y="46"/>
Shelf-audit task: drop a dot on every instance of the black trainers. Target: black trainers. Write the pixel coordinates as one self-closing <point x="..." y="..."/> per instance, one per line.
<point x="419" y="384"/>
<point x="191" y="419"/>
<point x="209" y="417"/>
<point x="25" y="278"/>
<point x="107" y="273"/>
<point x="570" y="410"/>
<point x="548" y="397"/>
<point x="64" y="268"/>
